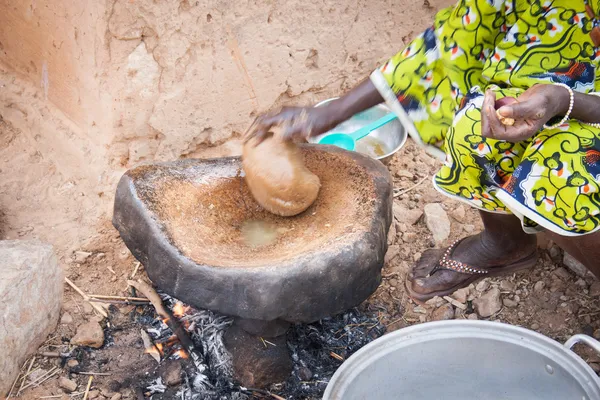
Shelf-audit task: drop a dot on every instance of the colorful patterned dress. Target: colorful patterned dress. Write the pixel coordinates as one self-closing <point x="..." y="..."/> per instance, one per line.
<point x="436" y="86"/>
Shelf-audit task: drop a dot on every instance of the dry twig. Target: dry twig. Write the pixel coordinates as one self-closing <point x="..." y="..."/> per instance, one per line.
<point x="175" y="326"/>
<point x="101" y="296"/>
<point x="87" y="298"/>
<point x="25" y="376"/>
<point x="87" y="389"/>
<point x="401" y="192"/>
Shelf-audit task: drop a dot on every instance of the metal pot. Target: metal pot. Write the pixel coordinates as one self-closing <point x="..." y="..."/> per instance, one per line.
<point x="466" y="360"/>
<point x="381" y="143"/>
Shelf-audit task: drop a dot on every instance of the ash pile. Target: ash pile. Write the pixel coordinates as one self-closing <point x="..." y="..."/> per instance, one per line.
<point x="317" y="351"/>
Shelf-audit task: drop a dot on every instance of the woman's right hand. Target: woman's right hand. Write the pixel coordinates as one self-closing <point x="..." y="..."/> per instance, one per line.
<point x="294" y="122"/>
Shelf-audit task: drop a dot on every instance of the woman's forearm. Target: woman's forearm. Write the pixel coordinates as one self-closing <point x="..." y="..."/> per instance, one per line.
<point x="586" y="108"/>
<point x="361" y="98"/>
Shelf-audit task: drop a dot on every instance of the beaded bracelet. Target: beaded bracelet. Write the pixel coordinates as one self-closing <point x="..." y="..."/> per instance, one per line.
<point x="568" y="114"/>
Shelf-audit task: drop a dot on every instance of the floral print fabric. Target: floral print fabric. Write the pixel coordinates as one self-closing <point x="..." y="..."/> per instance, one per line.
<point x="550" y="180"/>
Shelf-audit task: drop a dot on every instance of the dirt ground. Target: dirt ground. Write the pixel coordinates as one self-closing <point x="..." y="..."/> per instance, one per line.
<point x="562" y="304"/>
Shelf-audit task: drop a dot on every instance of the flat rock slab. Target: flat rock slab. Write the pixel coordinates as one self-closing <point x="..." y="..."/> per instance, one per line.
<point x="203" y="239"/>
<point x="31" y="290"/>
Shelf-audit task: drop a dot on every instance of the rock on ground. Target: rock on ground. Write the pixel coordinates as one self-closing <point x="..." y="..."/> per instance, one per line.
<point x="437" y="222"/>
<point x="255" y="365"/>
<point x="442" y="313"/>
<point x="405" y="215"/>
<point x="30" y="301"/>
<point x="67" y="384"/>
<point x="489" y="303"/>
<point x="574" y="265"/>
<point x="89" y="334"/>
<point x="595" y="289"/>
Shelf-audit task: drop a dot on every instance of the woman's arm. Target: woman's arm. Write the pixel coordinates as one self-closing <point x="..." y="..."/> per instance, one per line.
<point x="304" y="122"/>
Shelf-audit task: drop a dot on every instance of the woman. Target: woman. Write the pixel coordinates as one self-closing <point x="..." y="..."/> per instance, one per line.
<point x="454" y="88"/>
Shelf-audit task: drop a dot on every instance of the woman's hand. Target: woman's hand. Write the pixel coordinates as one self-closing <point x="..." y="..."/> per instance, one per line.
<point x="295" y="123"/>
<point x="535" y="107"/>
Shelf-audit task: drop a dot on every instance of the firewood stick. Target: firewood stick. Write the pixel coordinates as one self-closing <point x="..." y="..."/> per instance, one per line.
<point x="92" y="373"/>
<point x="100" y="296"/>
<point x="175" y="326"/>
<point x="87" y="298"/>
<point x="87" y="389"/>
<point x="137" y="266"/>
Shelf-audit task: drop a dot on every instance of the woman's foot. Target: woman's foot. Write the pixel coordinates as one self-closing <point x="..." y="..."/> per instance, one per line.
<point x="493" y="252"/>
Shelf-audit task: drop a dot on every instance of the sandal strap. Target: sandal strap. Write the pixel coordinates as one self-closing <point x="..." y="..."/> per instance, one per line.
<point x="446" y="262"/>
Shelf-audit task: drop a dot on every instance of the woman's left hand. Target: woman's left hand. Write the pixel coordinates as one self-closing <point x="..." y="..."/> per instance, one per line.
<point x="535" y="107"/>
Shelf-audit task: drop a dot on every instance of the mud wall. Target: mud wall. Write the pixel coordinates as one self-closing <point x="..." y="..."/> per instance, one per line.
<point x="114" y="83"/>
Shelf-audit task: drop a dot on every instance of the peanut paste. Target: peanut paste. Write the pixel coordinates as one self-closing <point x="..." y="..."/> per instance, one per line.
<point x="277" y="177"/>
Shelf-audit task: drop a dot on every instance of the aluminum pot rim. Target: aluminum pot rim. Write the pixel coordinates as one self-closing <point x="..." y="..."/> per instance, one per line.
<point x="431" y="331"/>
<point x="385" y="157"/>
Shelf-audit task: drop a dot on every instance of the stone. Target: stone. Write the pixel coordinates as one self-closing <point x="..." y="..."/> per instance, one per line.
<point x="510" y="303"/>
<point x="66" y="319"/>
<point x="459" y="214"/>
<point x="392" y="253"/>
<point x="468" y="228"/>
<point x="404" y="174"/>
<point x="171" y="373"/>
<point x="437" y="222"/>
<point x="31" y="291"/>
<point x="483" y="285"/>
<point x="442" y="313"/>
<point x="391" y="239"/>
<point x="596" y="334"/>
<point x="435" y="302"/>
<point x="89" y="334"/>
<point x="93" y="394"/>
<point x="555" y="253"/>
<point x="305" y="374"/>
<point x="66" y="384"/>
<point x="117" y="396"/>
<point x="472" y="316"/>
<point x="521" y="314"/>
<point x="406" y="215"/>
<point x="507" y="286"/>
<point x="265" y="329"/>
<point x="539" y="286"/>
<point x="489" y="303"/>
<point x="595" y="289"/>
<point x="581" y="283"/>
<point x="72" y="363"/>
<point x="535" y="327"/>
<point x="562" y="273"/>
<point x="461" y="295"/>
<point x="578" y="268"/>
<point x="81" y="256"/>
<point x="324" y="261"/>
<point x="255" y="365"/>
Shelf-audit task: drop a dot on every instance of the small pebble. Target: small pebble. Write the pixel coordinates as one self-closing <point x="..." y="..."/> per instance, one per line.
<point x="539" y="286"/>
<point x="510" y="303"/>
<point x="521" y="314"/>
<point x="564" y="298"/>
<point x="595" y="289"/>
<point x="72" y="363"/>
<point x="483" y="286"/>
<point x="517" y="298"/>
<point x="535" y="327"/>
<point x="507" y="286"/>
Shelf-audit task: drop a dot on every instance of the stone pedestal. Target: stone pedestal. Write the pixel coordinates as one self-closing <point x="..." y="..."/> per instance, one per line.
<point x="257" y="361"/>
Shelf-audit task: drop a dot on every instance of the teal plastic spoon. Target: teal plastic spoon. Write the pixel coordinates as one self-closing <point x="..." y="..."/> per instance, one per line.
<point x="348" y="141"/>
